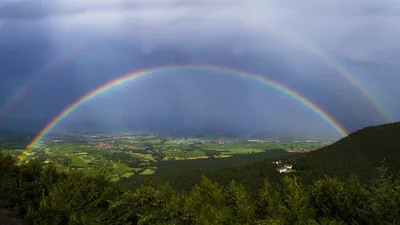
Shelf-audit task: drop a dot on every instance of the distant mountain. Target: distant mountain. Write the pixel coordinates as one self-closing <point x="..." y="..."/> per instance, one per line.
<point x="15" y="140"/>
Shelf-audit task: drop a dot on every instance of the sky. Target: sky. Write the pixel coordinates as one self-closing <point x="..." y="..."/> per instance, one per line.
<point x="55" y="51"/>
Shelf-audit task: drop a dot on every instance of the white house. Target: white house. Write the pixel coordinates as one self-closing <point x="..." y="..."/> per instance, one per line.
<point x="281" y="170"/>
<point x="288" y="166"/>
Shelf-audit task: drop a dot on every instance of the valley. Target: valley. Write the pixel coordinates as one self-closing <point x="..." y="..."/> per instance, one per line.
<point x="132" y="154"/>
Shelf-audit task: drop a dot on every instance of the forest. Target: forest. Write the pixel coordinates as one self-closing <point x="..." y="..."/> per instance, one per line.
<point x="353" y="181"/>
<point x="43" y="195"/>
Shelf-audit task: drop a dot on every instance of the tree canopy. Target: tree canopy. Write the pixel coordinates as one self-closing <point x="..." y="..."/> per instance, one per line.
<point x="43" y="195"/>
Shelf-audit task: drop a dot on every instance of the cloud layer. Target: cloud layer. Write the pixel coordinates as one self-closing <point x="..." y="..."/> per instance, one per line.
<point x="90" y="42"/>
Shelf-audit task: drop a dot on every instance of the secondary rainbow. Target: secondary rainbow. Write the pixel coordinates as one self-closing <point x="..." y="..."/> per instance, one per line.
<point x="354" y="82"/>
<point x="21" y="92"/>
<point x="289" y="37"/>
<point x="334" y="65"/>
<point x="141" y="73"/>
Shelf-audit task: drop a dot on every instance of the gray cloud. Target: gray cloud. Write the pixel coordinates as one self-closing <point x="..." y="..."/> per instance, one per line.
<point x="22" y="10"/>
<point x="277" y="39"/>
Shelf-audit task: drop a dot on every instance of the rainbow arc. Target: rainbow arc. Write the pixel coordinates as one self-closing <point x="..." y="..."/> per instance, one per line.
<point x="132" y="76"/>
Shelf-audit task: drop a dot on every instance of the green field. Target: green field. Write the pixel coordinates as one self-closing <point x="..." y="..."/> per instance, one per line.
<point x="127" y="158"/>
<point x="119" y="166"/>
<point x="77" y="161"/>
<point x="148" y="171"/>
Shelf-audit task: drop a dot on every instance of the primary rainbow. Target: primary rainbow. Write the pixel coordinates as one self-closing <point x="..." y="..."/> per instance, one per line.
<point x="339" y="128"/>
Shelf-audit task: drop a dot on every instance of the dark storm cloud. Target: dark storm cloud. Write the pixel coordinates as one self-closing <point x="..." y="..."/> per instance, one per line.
<point x="22" y="10"/>
<point x="124" y="36"/>
<point x="23" y="47"/>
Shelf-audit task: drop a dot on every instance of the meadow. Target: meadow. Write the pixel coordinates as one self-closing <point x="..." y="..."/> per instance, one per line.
<point x="146" y="155"/>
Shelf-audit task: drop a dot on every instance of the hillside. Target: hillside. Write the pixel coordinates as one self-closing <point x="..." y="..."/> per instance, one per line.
<point x="359" y="153"/>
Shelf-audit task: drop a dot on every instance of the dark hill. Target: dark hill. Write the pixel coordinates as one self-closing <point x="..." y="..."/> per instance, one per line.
<point x="359" y="153"/>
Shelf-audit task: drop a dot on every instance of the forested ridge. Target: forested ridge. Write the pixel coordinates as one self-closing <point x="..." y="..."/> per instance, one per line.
<point x="353" y="181"/>
<point x="359" y="153"/>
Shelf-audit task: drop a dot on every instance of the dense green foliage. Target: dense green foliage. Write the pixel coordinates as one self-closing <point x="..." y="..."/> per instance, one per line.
<point x="44" y="195"/>
<point x="344" y="183"/>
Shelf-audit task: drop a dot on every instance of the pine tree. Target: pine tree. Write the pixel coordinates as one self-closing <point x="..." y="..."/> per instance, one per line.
<point x="206" y="203"/>
<point x="294" y="205"/>
<point x="238" y="201"/>
<point x="384" y="200"/>
<point x="267" y="201"/>
<point x="327" y="197"/>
